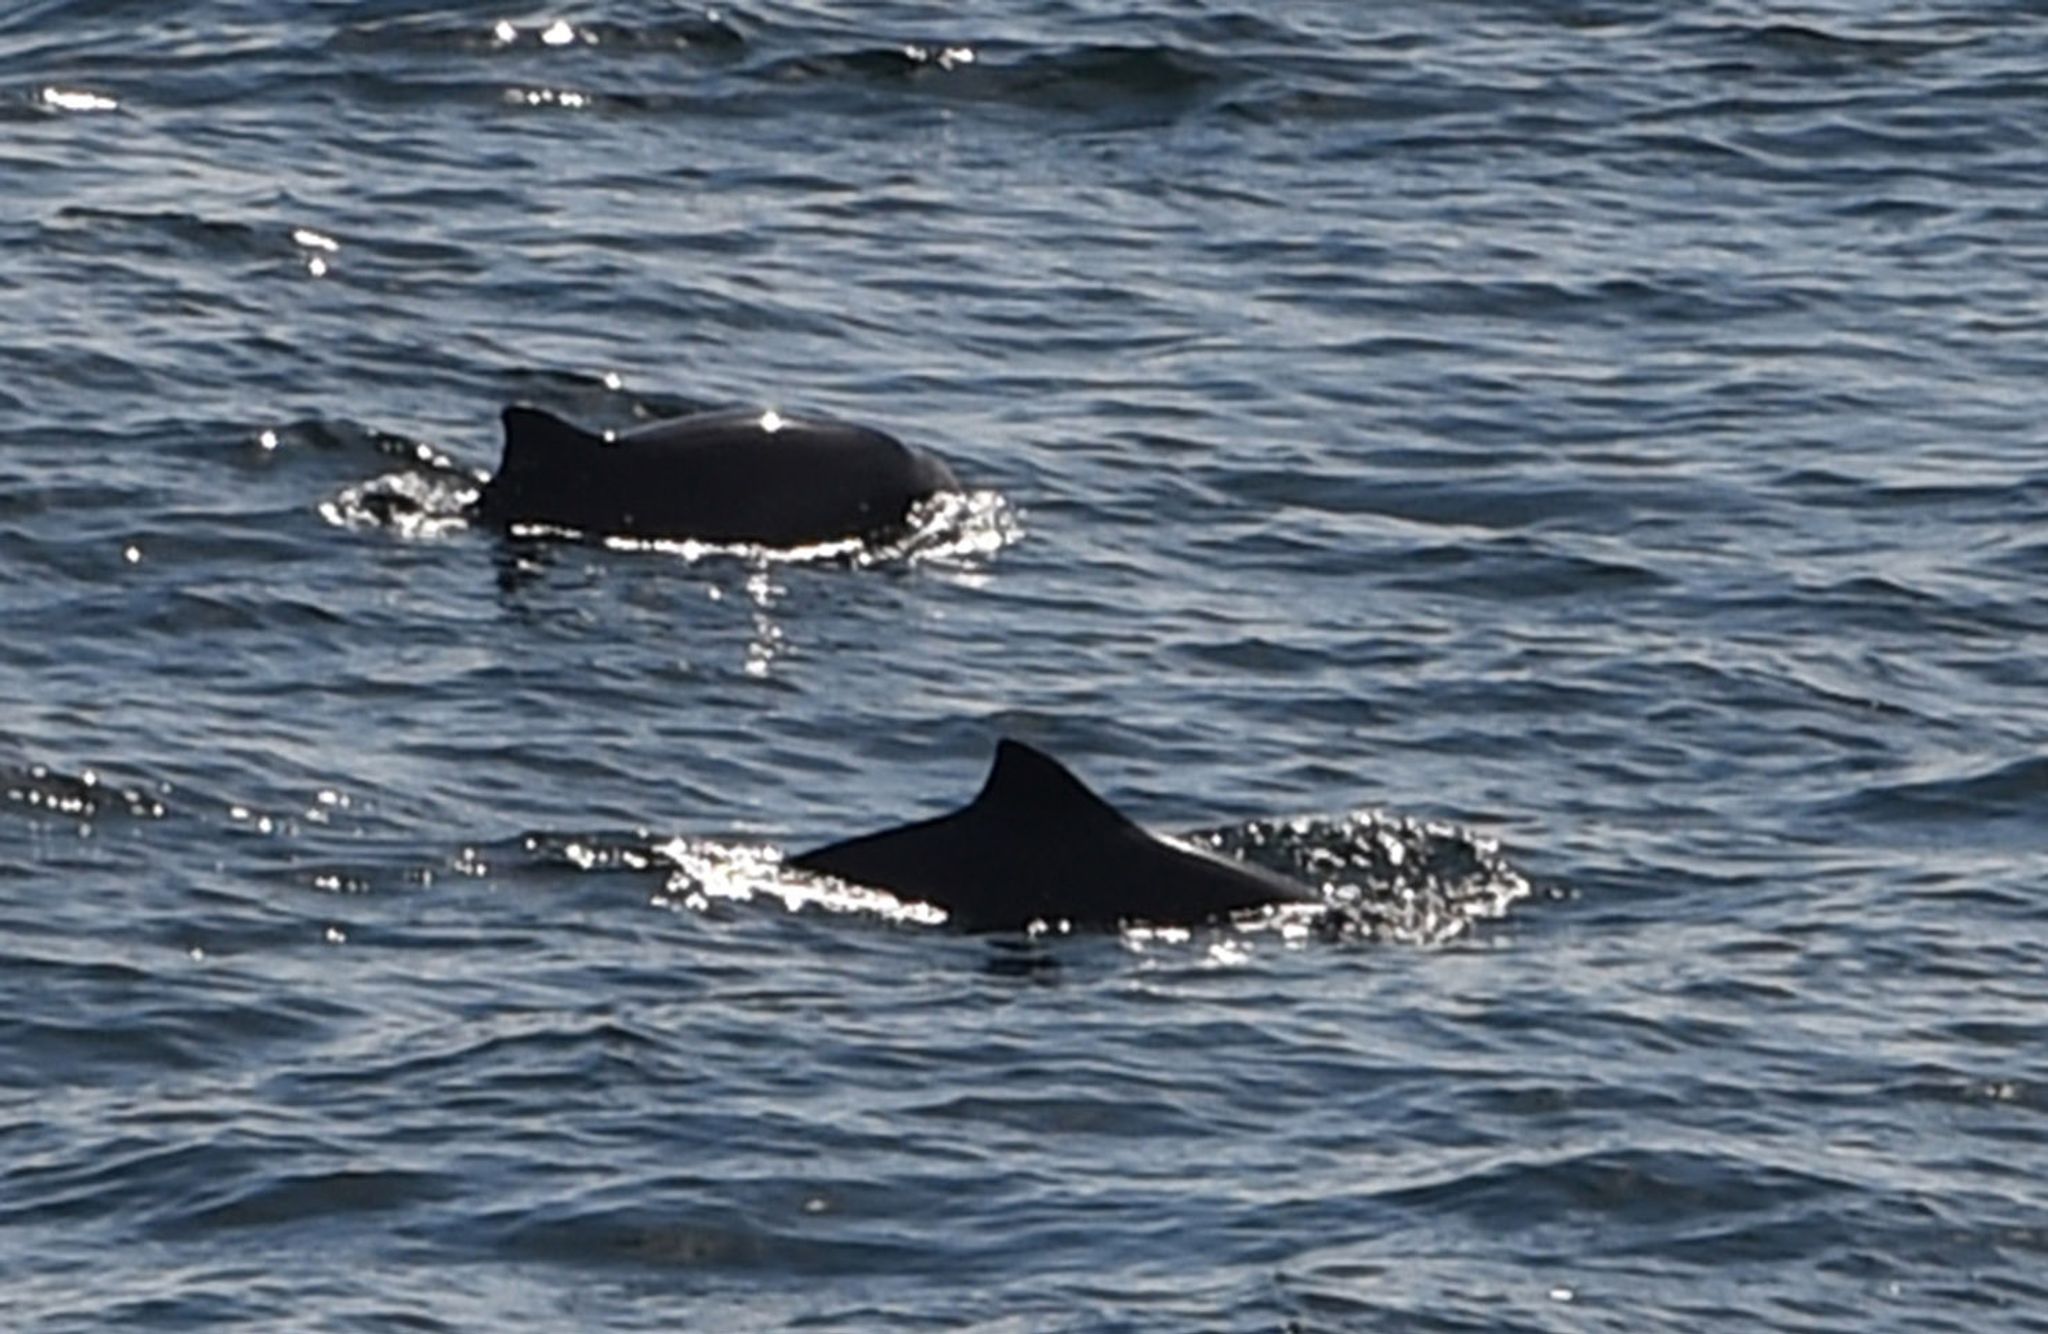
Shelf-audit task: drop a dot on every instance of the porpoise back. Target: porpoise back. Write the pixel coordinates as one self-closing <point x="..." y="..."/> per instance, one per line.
<point x="1036" y="845"/>
<point x="726" y="477"/>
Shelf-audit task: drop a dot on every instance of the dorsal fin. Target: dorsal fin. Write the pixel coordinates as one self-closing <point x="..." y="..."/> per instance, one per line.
<point x="1025" y="782"/>
<point x="530" y="430"/>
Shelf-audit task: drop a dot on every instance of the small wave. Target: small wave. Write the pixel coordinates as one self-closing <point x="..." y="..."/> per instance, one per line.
<point x="1512" y="570"/>
<point x="1643" y="1187"/>
<point x="241" y="1200"/>
<point x="1113" y="83"/>
<point x="2026" y="558"/>
<point x="1817" y="47"/>
<point x="161" y="233"/>
<point x="712" y="30"/>
<point x="2017" y="791"/>
<point x="685" y="1232"/>
<point x="39" y="791"/>
<point x="589" y="852"/>
<point x="295" y="825"/>
<point x="1110" y="85"/>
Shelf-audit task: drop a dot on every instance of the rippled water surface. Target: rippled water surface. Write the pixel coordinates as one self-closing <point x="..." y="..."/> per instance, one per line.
<point x="1604" y="439"/>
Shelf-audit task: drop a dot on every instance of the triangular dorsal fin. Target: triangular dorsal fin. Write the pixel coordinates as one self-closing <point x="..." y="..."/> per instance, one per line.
<point x="1027" y="782"/>
<point x="530" y="430"/>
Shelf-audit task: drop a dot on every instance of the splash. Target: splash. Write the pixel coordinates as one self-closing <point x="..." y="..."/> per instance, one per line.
<point x="76" y="99"/>
<point x="950" y="529"/>
<point x="410" y="504"/>
<point x="708" y="873"/>
<point x="1390" y="878"/>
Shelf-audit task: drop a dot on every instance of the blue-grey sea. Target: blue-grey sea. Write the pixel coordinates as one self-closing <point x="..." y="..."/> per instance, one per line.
<point x="1570" y="479"/>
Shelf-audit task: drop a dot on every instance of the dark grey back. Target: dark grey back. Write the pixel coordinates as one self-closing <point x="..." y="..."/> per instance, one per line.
<point x="1037" y="845"/>
<point x="715" y="477"/>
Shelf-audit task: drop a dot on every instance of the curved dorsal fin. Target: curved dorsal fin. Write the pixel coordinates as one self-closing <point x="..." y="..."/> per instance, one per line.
<point x="1027" y="783"/>
<point x="531" y="429"/>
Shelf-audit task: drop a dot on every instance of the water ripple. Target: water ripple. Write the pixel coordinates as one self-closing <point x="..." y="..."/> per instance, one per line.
<point x="1604" y="436"/>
